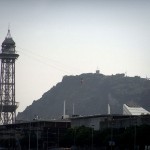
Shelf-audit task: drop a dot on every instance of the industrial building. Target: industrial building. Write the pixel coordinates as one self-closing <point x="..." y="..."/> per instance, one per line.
<point x="132" y="116"/>
<point x="134" y="110"/>
<point x="100" y="122"/>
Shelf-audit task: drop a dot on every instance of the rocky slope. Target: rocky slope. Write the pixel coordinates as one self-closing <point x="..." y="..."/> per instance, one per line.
<point x="90" y="94"/>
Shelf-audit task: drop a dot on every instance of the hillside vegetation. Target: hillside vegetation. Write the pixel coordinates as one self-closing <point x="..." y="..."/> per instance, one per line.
<point x="90" y="93"/>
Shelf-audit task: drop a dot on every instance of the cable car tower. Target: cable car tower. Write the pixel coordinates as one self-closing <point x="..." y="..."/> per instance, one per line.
<point x="8" y="105"/>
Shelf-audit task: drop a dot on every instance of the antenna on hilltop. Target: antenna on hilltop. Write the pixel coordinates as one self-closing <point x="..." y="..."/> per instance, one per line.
<point x="97" y="71"/>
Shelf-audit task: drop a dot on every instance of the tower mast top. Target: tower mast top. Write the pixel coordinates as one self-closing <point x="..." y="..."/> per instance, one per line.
<point x="8" y="36"/>
<point x="8" y="47"/>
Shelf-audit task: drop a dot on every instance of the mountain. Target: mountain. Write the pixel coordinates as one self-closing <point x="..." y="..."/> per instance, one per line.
<point x="90" y="93"/>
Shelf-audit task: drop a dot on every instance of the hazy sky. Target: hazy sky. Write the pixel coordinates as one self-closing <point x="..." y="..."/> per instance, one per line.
<point x="69" y="37"/>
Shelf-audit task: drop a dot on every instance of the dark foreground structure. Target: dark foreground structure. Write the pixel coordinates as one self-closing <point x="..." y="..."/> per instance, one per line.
<point x="98" y="132"/>
<point x="125" y="132"/>
<point x="33" y="135"/>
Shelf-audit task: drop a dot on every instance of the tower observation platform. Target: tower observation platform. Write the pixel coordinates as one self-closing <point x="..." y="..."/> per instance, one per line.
<point x="8" y="105"/>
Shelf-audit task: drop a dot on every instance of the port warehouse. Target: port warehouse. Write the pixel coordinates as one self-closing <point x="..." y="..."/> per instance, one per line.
<point x="52" y="131"/>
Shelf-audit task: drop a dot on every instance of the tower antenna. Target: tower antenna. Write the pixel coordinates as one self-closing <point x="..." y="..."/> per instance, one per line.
<point x="8" y="32"/>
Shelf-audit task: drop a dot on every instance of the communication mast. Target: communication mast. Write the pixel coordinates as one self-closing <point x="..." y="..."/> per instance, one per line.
<point x="8" y="105"/>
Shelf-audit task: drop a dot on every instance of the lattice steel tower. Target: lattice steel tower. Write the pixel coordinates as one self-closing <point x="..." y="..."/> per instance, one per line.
<point x="8" y="105"/>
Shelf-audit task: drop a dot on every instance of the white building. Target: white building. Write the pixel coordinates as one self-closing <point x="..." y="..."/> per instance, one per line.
<point x="134" y="110"/>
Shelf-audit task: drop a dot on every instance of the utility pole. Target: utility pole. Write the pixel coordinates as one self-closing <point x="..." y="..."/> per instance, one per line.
<point x="92" y="135"/>
<point x="37" y="138"/>
<point x="29" y="134"/>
